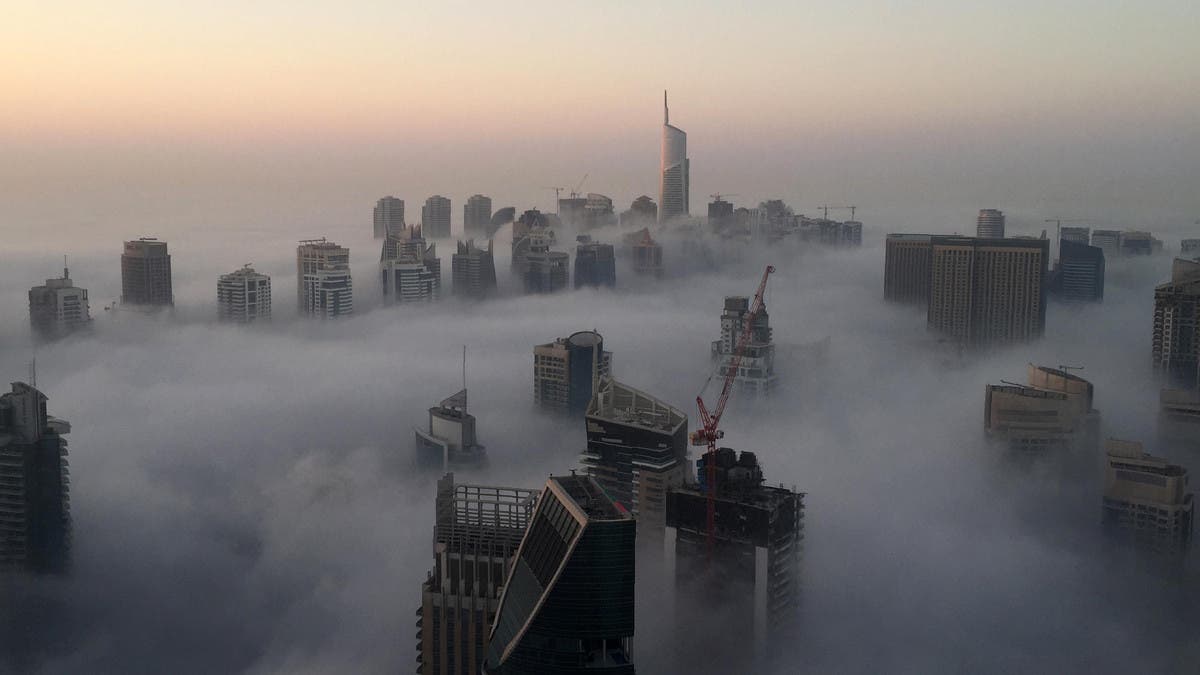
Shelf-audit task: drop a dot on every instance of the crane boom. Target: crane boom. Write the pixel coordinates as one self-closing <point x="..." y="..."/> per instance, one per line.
<point x="708" y="434"/>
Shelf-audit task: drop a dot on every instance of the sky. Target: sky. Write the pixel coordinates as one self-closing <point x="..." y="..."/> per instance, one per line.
<point x="1072" y="110"/>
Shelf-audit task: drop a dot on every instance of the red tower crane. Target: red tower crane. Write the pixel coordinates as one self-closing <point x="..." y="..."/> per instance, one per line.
<point x="708" y="434"/>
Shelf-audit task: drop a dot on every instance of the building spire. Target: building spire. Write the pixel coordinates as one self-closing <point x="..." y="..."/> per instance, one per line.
<point x="66" y="271"/>
<point x="666" y="113"/>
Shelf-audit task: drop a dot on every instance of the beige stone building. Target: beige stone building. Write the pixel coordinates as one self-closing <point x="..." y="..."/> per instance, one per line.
<point x="1147" y="499"/>
<point x="1054" y="410"/>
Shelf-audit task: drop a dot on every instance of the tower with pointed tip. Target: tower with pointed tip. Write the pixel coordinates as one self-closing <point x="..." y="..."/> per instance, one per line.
<point x="673" y="170"/>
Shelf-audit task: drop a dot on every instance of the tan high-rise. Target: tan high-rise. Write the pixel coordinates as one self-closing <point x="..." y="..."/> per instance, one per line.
<point x="1147" y="498"/>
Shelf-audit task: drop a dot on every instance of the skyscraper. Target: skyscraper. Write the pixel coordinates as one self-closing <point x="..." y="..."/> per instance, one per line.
<point x="1079" y="276"/>
<point x="636" y="450"/>
<point x="476" y="534"/>
<point x="990" y="224"/>
<point x="409" y="268"/>
<point x="435" y="217"/>
<point x="567" y="605"/>
<point x="566" y="372"/>
<point x="642" y="212"/>
<point x="988" y="292"/>
<point x="532" y="223"/>
<point x="35" y="515"/>
<point x="1108" y="241"/>
<point x="1079" y="235"/>
<point x="753" y="573"/>
<point x="58" y="307"/>
<point x="473" y="270"/>
<point x="1175" y="342"/>
<point x="477" y="215"/>
<point x="647" y="253"/>
<point x="545" y="270"/>
<point x="389" y="216"/>
<point x="674" y="170"/>
<point x="906" y="268"/>
<point x="720" y="213"/>
<point x="1146" y="499"/>
<point x="146" y="273"/>
<point x="1053" y="412"/>
<point x="595" y="264"/>
<point x="449" y="441"/>
<point x="243" y="296"/>
<point x="756" y="372"/>
<point x="324" y="285"/>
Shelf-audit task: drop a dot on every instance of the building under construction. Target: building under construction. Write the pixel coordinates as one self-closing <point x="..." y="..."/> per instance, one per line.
<point x="756" y="372"/>
<point x="476" y="534"/>
<point x="449" y="440"/>
<point x="568" y="601"/>
<point x="636" y="450"/>
<point x="753" y="574"/>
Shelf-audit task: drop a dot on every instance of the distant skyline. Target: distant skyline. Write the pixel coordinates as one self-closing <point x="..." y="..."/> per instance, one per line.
<point x="297" y="110"/>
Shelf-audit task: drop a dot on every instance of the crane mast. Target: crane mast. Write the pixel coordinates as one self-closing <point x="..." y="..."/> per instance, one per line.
<point x="708" y="433"/>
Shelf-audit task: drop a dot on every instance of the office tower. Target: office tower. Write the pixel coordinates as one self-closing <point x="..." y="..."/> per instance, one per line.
<point x="598" y="211"/>
<point x="243" y="296"/>
<point x="35" y="511"/>
<point x="58" y="308"/>
<point x="906" y="268"/>
<point x="409" y="268"/>
<point x="324" y="285"/>
<point x="477" y="215"/>
<point x="673" y="170"/>
<point x="647" y="253"/>
<point x="754" y="572"/>
<point x="389" y="216"/>
<point x="500" y="218"/>
<point x="1175" y="343"/>
<point x="566" y="372"/>
<point x="851" y="233"/>
<point x="835" y="233"/>
<point x="435" y="217"/>
<point x="636" y="450"/>
<point x="530" y="223"/>
<point x="1053" y="412"/>
<point x="567" y="605"/>
<point x="642" y="213"/>
<point x="146" y="273"/>
<point x="449" y="441"/>
<point x="476" y="534"/>
<point x="1137" y="243"/>
<point x="1146" y="499"/>
<point x="473" y="270"/>
<point x="1079" y="276"/>
<point x="595" y="264"/>
<point x="990" y="224"/>
<point x="988" y="292"/>
<point x="1190" y="249"/>
<point x="1108" y="241"/>
<point x="545" y="270"/>
<point x="720" y="213"/>
<point x="571" y="209"/>
<point x="756" y="372"/>
<point x="1079" y="235"/>
<point x="1179" y="419"/>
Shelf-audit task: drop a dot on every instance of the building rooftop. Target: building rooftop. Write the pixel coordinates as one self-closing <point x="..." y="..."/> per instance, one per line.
<point x="587" y="494"/>
<point x="616" y="402"/>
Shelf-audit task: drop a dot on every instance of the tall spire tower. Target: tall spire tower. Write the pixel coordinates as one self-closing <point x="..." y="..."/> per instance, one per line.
<point x="673" y="170"/>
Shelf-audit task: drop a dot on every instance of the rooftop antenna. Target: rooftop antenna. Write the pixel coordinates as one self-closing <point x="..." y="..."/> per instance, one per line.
<point x="66" y="272"/>
<point x="666" y="112"/>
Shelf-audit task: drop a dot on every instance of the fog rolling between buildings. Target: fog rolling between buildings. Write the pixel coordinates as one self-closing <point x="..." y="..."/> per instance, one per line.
<point x="244" y="498"/>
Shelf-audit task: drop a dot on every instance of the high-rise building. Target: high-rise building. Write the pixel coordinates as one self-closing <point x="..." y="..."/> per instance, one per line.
<point x="567" y="371"/>
<point x="990" y="224"/>
<point x="146" y="273"/>
<point x="1079" y="276"/>
<point x="474" y="270"/>
<point x="647" y="253"/>
<point x="1190" y="249"/>
<point x="756" y="372"/>
<point x="477" y="215"/>
<point x="243" y="296"/>
<point x="1079" y="235"/>
<point x="476" y="534"/>
<point x="545" y="270"/>
<point x="836" y="233"/>
<point x="324" y="286"/>
<point x="531" y="223"/>
<point x="595" y="264"/>
<point x="906" y="268"/>
<point x="642" y="212"/>
<point x="636" y="450"/>
<point x="720" y="214"/>
<point x="568" y="601"/>
<point x="389" y="216"/>
<point x="1175" y="343"/>
<point x="35" y="511"/>
<point x="435" y="217"/>
<point x="409" y="267"/>
<point x="1053" y="412"/>
<point x="753" y="573"/>
<point x="1146" y="499"/>
<point x="1108" y="241"/>
<point x="1179" y="419"/>
<point x="449" y="441"/>
<point x="988" y="292"/>
<point x="58" y="308"/>
<point x="1137" y="243"/>
<point x="674" y="170"/>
